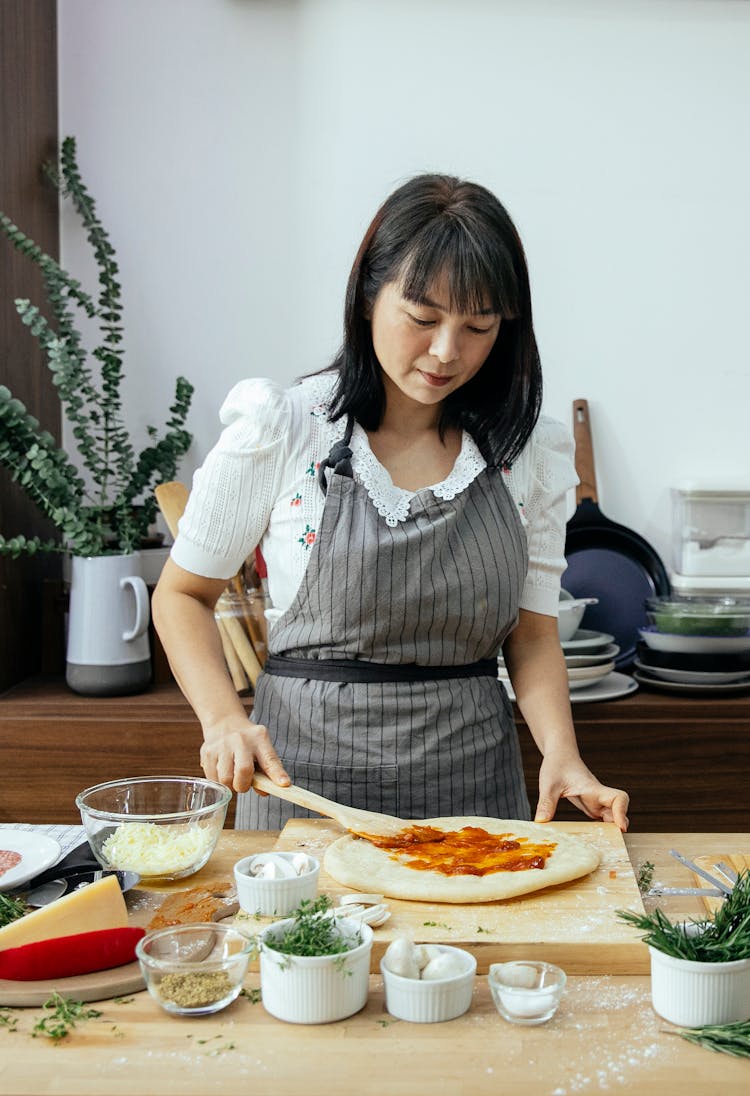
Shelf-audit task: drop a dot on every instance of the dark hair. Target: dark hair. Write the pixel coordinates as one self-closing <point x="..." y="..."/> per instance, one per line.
<point x="440" y="226"/>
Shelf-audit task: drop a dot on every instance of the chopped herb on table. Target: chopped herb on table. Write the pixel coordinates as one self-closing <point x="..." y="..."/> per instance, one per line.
<point x="313" y="932"/>
<point x="645" y="876"/>
<point x="723" y="938"/>
<point x="11" y="909"/>
<point x="62" y="1015"/>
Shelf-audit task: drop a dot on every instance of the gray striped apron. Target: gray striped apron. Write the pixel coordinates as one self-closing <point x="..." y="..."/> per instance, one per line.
<point x="414" y="608"/>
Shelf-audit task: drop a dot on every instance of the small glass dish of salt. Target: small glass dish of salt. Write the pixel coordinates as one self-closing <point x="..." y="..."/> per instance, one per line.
<point x="526" y="991"/>
<point x="272" y="884"/>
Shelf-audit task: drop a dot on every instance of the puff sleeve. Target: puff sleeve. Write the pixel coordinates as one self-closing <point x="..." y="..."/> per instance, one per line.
<point x="540" y="481"/>
<point x="234" y="491"/>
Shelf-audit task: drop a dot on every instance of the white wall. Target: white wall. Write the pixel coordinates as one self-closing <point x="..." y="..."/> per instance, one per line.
<point x="238" y="148"/>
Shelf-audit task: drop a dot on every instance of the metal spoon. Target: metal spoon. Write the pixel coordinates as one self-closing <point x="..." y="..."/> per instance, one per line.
<point x="48" y="892"/>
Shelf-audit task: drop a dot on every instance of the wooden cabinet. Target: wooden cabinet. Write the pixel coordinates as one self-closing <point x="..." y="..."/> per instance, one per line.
<point x="684" y="760"/>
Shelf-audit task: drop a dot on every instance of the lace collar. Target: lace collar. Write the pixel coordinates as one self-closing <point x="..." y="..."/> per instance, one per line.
<point x="391" y="502"/>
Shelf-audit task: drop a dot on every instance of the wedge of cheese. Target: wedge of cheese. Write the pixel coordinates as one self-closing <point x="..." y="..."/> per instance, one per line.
<point x="100" y="905"/>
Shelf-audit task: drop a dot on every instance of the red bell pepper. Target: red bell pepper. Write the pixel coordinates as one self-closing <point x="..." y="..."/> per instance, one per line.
<point x="66" y="956"/>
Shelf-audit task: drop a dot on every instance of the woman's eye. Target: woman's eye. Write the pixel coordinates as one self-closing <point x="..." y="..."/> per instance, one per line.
<point x="421" y="323"/>
<point x="480" y="330"/>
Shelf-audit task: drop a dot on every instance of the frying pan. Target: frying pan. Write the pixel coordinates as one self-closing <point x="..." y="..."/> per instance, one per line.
<point x="606" y="560"/>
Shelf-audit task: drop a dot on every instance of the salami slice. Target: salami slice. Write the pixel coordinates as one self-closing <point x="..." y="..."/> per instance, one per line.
<point x="8" y="860"/>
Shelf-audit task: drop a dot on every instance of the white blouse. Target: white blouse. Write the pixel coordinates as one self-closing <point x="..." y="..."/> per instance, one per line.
<point x="258" y="485"/>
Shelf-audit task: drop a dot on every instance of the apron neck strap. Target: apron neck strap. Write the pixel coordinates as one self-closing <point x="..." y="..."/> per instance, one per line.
<point x="339" y="458"/>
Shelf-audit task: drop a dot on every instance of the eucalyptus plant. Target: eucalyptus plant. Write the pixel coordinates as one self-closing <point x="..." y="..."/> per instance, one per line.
<point x="108" y="504"/>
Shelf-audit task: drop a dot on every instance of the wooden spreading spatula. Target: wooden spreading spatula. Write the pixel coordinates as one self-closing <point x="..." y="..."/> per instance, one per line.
<point x="363" y="823"/>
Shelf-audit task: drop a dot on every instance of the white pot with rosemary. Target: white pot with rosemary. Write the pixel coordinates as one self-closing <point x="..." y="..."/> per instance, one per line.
<point x="101" y="502"/>
<point x="700" y="970"/>
<point x="314" y="966"/>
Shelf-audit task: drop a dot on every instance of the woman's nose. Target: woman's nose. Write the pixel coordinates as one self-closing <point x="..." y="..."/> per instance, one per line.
<point x="444" y="344"/>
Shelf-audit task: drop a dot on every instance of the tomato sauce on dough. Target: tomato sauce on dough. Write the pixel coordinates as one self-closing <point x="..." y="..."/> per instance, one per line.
<point x="468" y="851"/>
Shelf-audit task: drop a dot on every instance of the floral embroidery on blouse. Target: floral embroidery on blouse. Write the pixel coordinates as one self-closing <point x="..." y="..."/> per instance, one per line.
<point x="296" y="501"/>
<point x="308" y="537"/>
<point x="312" y="468"/>
<point x="319" y="410"/>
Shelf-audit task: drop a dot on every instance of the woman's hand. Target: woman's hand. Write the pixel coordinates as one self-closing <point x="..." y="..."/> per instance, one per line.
<point x="232" y="752"/>
<point x="568" y="777"/>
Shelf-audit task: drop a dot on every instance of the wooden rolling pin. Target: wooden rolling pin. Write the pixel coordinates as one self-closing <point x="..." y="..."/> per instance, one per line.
<point x="242" y="661"/>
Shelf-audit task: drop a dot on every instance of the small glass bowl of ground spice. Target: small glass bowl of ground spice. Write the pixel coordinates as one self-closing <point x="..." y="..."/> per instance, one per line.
<point x="193" y="970"/>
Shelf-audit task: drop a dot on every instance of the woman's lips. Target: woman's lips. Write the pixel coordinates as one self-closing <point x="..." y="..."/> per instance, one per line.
<point x="435" y="379"/>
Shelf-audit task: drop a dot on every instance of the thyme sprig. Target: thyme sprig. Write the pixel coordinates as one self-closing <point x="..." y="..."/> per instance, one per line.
<point x="313" y="932"/>
<point x="731" y="1039"/>
<point x="723" y="938"/>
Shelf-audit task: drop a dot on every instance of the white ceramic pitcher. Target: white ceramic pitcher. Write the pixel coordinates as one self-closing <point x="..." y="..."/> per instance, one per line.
<point x="108" y="650"/>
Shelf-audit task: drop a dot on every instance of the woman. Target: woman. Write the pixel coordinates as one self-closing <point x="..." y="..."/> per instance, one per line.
<point x="410" y="506"/>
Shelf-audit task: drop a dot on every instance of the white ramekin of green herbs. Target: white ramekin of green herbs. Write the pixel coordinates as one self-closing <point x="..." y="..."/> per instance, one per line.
<point x="314" y="966"/>
<point x="700" y="970"/>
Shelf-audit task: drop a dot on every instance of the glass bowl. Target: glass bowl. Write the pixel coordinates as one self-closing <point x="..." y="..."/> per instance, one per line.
<point x="162" y="827"/>
<point x="706" y="616"/>
<point x="526" y="991"/>
<point x="193" y="970"/>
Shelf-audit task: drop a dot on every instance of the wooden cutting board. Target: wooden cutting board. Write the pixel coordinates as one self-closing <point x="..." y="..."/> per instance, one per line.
<point x="573" y="925"/>
<point x="142" y="902"/>
<point x="739" y="861"/>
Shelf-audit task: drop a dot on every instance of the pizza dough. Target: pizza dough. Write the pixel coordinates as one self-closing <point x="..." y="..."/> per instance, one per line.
<point x="358" y="863"/>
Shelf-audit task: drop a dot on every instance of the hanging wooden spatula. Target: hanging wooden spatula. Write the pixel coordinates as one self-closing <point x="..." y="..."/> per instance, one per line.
<point x="363" y="823"/>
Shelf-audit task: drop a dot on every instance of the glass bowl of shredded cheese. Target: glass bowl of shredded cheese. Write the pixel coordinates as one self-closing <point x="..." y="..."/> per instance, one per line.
<point x="162" y="827"/>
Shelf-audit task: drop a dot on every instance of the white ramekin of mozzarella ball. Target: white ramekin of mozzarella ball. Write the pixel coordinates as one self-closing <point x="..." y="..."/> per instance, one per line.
<point x="427" y="983"/>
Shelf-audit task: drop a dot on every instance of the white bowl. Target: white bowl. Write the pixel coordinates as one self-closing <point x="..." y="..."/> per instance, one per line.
<point x="570" y="612"/>
<point x="526" y="991"/>
<point x="315" y="989"/>
<point x="691" y="994"/>
<point x="430" y="1002"/>
<point x="275" y="897"/>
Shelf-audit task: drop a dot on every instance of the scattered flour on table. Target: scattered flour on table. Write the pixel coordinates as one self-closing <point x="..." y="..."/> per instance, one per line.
<point x="607" y="1060"/>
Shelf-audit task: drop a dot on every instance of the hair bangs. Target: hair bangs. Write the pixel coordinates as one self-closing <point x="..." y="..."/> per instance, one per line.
<point x="473" y="274"/>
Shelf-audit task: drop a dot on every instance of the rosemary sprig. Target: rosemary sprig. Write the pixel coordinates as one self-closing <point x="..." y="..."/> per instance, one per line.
<point x="11" y="909"/>
<point x="731" y="1039"/>
<point x="723" y="938"/>
<point x="313" y="932"/>
<point x="62" y="1015"/>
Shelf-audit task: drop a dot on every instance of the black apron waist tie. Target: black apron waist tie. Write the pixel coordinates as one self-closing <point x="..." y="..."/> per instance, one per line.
<point x="362" y="671"/>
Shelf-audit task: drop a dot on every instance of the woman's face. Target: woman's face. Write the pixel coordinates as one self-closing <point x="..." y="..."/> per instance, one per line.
<point x="425" y="350"/>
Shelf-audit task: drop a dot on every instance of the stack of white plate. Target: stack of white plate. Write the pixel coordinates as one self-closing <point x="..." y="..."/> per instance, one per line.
<point x="693" y="664"/>
<point x="590" y="661"/>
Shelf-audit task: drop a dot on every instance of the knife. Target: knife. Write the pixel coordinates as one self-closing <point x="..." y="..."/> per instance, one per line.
<point x="725" y="888"/>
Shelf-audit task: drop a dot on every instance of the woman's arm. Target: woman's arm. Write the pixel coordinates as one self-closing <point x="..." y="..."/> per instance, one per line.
<point x="183" y="610"/>
<point x="537" y="671"/>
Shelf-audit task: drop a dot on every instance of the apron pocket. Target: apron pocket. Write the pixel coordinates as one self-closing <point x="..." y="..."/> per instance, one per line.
<point x="371" y="787"/>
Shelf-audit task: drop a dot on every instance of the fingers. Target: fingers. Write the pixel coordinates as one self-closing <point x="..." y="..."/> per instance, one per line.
<point x="546" y="807"/>
<point x="233" y="757"/>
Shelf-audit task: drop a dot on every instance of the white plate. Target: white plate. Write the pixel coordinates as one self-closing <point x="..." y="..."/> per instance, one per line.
<point x="685" y="687"/>
<point x="707" y="645"/>
<point x="586" y="640"/>
<point x="584" y="676"/>
<point x="594" y="658"/>
<point x="610" y="687"/>
<point x="37" y="853"/>
<point x="694" y="677"/>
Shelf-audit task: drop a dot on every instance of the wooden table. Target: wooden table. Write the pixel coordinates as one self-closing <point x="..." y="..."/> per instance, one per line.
<point x="604" y="1039"/>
